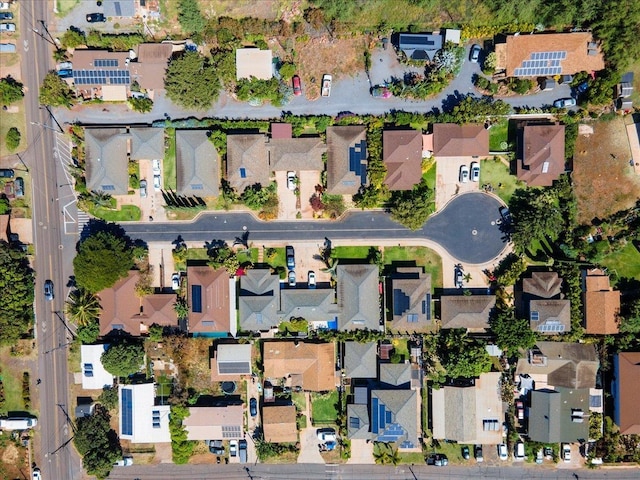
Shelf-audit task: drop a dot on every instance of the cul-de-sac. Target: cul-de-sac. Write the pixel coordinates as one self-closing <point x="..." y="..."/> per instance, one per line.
<point x="319" y="239"/>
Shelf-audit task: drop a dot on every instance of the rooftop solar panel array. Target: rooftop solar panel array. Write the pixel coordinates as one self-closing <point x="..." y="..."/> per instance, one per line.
<point x="357" y="157"/>
<point x="551" y="327"/>
<point x="108" y="62"/>
<point x="541" y="64"/>
<point x="231" y="431"/>
<point x="234" y="367"/>
<point x="101" y="77"/>
<point x="127" y="412"/>
<point x="400" y="302"/>
<point x="196" y="298"/>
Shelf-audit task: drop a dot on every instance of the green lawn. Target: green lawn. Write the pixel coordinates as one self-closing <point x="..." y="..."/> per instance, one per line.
<point x="197" y="254"/>
<point x="128" y="213"/>
<point x="499" y="133"/>
<point x="12" y="383"/>
<point x="65" y="6"/>
<point x="13" y="120"/>
<point x="299" y="401"/>
<point x="401" y="347"/>
<point x="359" y="253"/>
<point x="412" y="458"/>
<point x="423" y="256"/>
<point x="429" y="175"/>
<point x="169" y="164"/>
<point x="497" y="174"/>
<point x="278" y="259"/>
<point x="323" y="407"/>
<point x="252" y="257"/>
<point x="624" y="263"/>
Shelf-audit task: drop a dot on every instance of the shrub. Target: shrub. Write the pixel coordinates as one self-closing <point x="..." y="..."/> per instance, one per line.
<point x="13" y="138"/>
<point x="10" y="90"/>
<point x="142" y="105"/>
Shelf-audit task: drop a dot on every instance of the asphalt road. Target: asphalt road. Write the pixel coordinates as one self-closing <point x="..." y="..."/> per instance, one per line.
<point x="465" y="228"/>
<point x="53" y="452"/>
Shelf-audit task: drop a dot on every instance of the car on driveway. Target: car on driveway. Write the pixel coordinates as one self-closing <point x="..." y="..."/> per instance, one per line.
<point x="474" y="54"/>
<point x="458" y="276"/>
<point x="6" y="173"/>
<point x="475" y="171"/>
<point x="520" y="410"/>
<point x="48" y="290"/>
<point x="175" y="281"/>
<point x="464" y="173"/>
<point x="291" y="259"/>
<point x="565" y="103"/>
<point x="326" y="85"/>
<point x="156" y="182"/>
<point x="242" y="450"/>
<point x="291" y="180"/>
<point x="36" y="474"/>
<point x="326" y="434"/>
<point x="5" y="5"/>
<point x="311" y="279"/>
<point x="6" y="16"/>
<point x="216" y="447"/>
<point x="566" y="452"/>
<point x="124" y="462"/>
<point x="438" y="459"/>
<point x="465" y="452"/>
<point x="156" y="167"/>
<point x="297" y="88"/>
<point x="292" y="278"/>
<point x="7" y="27"/>
<point x="19" y="183"/>
<point x="253" y="407"/>
<point x="96" y="18"/>
<point x="477" y="452"/>
<point x="503" y="453"/>
<point x="143" y="188"/>
<point x="233" y="448"/>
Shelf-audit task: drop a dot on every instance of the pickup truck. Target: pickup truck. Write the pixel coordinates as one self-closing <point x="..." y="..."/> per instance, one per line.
<point x="326" y="85"/>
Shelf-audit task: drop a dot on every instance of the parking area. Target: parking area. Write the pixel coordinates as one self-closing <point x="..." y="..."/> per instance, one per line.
<point x="307" y="259"/>
<point x="292" y="204"/>
<point x="385" y="65"/>
<point x="287" y="198"/>
<point x="161" y="259"/>
<point x="151" y="206"/>
<point x="308" y="181"/>
<point x="448" y="178"/>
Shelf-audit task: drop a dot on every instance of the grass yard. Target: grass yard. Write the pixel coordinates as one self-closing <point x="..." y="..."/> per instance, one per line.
<point x="65" y="6"/>
<point x="411" y="458"/>
<point x="299" y="401"/>
<point x="624" y="263"/>
<point x="12" y="383"/>
<point x="277" y="259"/>
<point x="423" y="256"/>
<point x="401" y="347"/>
<point x="429" y="174"/>
<point x="323" y="408"/>
<point x="496" y="172"/>
<point x="197" y="254"/>
<point x="251" y="256"/>
<point x="10" y="120"/>
<point x="128" y="213"/>
<point x="499" y="133"/>
<point x="169" y="163"/>
<point x="354" y="252"/>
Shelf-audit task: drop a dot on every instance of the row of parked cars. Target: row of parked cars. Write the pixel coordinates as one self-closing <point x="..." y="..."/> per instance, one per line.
<point x="291" y="265"/>
<point x="473" y="173"/>
<point x="4" y="15"/>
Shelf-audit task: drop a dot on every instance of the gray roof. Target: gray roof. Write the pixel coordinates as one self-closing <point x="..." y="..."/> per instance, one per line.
<point x="466" y="311"/>
<point x="197" y="164"/>
<point x="106" y="160"/>
<point x="296" y="154"/>
<point x="119" y="8"/>
<point x="247" y="161"/>
<point x="403" y="406"/>
<point x="560" y="415"/>
<point x="552" y="317"/>
<point x="411" y="300"/>
<point x="358" y="421"/>
<point x="361" y="359"/>
<point x="543" y="284"/>
<point x="420" y="46"/>
<point x="344" y="174"/>
<point x="396" y="374"/>
<point x="233" y="359"/>
<point x="313" y="305"/>
<point x="358" y="297"/>
<point x="259" y="297"/>
<point x="147" y="143"/>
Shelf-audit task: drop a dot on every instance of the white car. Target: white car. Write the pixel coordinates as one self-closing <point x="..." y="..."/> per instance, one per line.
<point x="291" y="180"/>
<point x="311" y="279"/>
<point x="156" y="182"/>
<point x="125" y="462"/>
<point x="233" y="448"/>
<point x="566" y="452"/>
<point x="326" y="434"/>
<point x="7" y="27"/>
<point x="475" y="171"/>
<point x="503" y="454"/>
<point x="36" y="471"/>
<point x="175" y="281"/>
<point x="464" y="173"/>
<point x="156" y="167"/>
<point x="6" y="6"/>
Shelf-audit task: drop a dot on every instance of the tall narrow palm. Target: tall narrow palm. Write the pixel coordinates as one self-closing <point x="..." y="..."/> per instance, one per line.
<point x="83" y="307"/>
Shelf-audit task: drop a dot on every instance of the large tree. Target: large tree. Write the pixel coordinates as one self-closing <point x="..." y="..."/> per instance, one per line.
<point x="190" y="17"/>
<point x="123" y="359"/>
<point x="10" y="90"/>
<point x="97" y="442"/>
<point x="83" y="307"/>
<point x="462" y="356"/>
<point x="411" y="208"/>
<point x="103" y="258"/>
<point x="55" y="92"/>
<point x="192" y="82"/>
<point x="512" y="333"/>
<point x="16" y="294"/>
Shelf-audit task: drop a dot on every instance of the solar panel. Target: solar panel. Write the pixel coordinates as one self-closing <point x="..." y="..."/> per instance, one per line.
<point x="196" y="298"/>
<point x="231" y="431"/>
<point x="535" y="316"/>
<point x="127" y="411"/>
<point x="243" y="172"/>
<point x="382" y="417"/>
<point x="374" y="415"/>
<point x="226" y="368"/>
<point x="400" y="302"/>
<point x="412" y="318"/>
<point x="427" y="307"/>
<point x="354" y="422"/>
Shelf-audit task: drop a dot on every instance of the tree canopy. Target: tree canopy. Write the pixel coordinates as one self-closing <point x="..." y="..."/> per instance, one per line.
<point x="97" y="442"/>
<point x="190" y="17"/>
<point x="10" y="90"/>
<point x="411" y="208"/>
<point x="192" y="82"/>
<point x="180" y="446"/>
<point x="12" y="138"/>
<point x="83" y="307"/>
<point x="16" y="301"/>
<point x="512" y="333"/>
<point x="103" y="258"/>
<point x="123" y="359"/>
<point x="224" y="257"/>
<point x="462" y="356"/>
<point x="55" y="92"/>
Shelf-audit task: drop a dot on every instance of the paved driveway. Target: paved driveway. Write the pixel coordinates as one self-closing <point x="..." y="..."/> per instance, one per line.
<point x="448" y="183"/>
<point x="309" y="452"/>
<point x="361" y="452"/>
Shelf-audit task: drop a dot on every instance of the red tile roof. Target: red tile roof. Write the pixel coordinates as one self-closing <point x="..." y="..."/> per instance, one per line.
<point x="627" y="388"/>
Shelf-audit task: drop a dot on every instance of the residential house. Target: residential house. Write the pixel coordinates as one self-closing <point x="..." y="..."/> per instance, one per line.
<point x="358" y="297"/>
<point x="297" y="154"/>
<point x="346" y="159"/>
<point x="559" y="415"/>
<point x="247" y="161"/>
<point x="147" y="143"/>
<point x="106" y="160"/>
<point x="469" y="413"/>
<point x="402" y="155"/>
<point x="101" y="74"/>
<point x="94" y="375"/>
<point x="626" y="371"/>
<point x="454" y="141"/>
<point x="279" y="424"/>
<point x="310" y="366"/>
<point x="395" y="375"/>
<point x="150" y="67"/>
<point x="317" y="306"/>
<point x="253" y="63"/>
<point x="215" y="423"/>
<point x="259" y="300"/>
<point x="542" y="302"/>
<point x="211" y="298"/>
<point x="122" y="309"/>
<point x="119" y="8"/>
<point x="395" y="417"/>
<point x="197" y="164"/>
<point x="466" y="311"/>
<point x="231" y="361"/>
<point x="547" y="54"/>
<point x="420" y="46"/>
<point x="360" y="360"/>
<point x="140" y="419"/>
<point x="411" y="300"/>
<point x="541" y="154"/>
<point x="601" y="303"/>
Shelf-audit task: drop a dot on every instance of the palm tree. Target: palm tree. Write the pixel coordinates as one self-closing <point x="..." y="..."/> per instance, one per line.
<point x="83" y="307"/>
<point x="181" y="308"/>
<point x="332" y="265"/>
<point x="101" y="199"/>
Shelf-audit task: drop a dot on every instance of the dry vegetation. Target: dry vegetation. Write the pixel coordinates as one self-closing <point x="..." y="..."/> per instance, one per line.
<point x="191" y="357"/>
<point x="604" y="182"/>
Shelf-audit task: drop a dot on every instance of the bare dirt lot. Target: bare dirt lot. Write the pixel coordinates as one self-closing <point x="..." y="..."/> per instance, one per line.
<point x="604" y="181"/>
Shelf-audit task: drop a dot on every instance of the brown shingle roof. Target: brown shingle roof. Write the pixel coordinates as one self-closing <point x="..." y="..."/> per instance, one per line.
<point x="158" y="308"/>
<point x="279" y="424"/>
<point x="452" y="140"/>
<point x="411" y="293"/>
<point x="151" y="65"/>
<point x="542" y="159"/>
<point x="214" y="299"/>
<point x="402" y="155"/>
<point x="466" y="311"/>
<point x="341" y="180"/>
<point x="517" y="49"/>
<point x="553" y="317"/>
<point x="627" y="413"/>
<point x="601" y="304"/>
<point x="247" y="161"/>
<point x="314" y="362"/>
<point x="543" y="284"/>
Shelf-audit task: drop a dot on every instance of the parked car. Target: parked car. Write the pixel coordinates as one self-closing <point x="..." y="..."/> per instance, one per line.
<point x="478" y="453"/>
<point x="474" y="54"/>
<point x="438" y="459"/>
<point x="253" y="407"/>
<point x="297" y="88"/>
<point x="475" y="171"/>
<point x="48" y="290"/>
<point x="548" y="452"/>
<point x="96" y="17"/>
<point x="326" y="85"/>
<point x="464" y="173"/>
<point x="519" y="410"/>
<point x="503" y="453"/>
<point x="6" y="173"/>
<point x="216" y="447"/>
<point x="326" y="434"/>
<point x="292" y="278"/>
<point x="242" y="450"/>
<point x="175" y="281"/>
<point x="124" y="462"/>
<point x="291" y="180"/>
<point x="506" y="215"/>
<point x="19" y="183"/>
<point x="156" y="182"/>
<point x="311" y="279"/>
<point x="565" y="103"/>
<point x="539" y="456"/>
<point x="233" y="448"/>
<point x="566" y="452"/>
<point x="5" y="5"/>
<point x="7" y="27"/>
<point x="65" y="73"/>
<point x="465" y="452"/>
<point x="36" y="474"/>
<point x="6" y="16"/>
<point x="156" y="167"/>
<point x="328" y="446"/>
<point x="143" y="188"/>
<point x="381" y="91"/>
<point x="458" y="276"/>
<point x="518" y="451"/>
<point x="291" y="259"/>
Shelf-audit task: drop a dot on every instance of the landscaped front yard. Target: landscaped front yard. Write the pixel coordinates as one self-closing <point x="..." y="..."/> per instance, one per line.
<point x="499" y="136"/>
<point x="624" y="263"/>
<point x="423" y="257"/>
<point x="323" y="408"/>
<point x="495" y="172"/>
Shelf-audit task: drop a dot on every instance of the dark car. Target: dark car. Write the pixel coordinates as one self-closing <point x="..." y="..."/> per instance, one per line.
<point x="291" y="259"/>
<point x="438" y="459"/>
<point x="253" y="407"/>
<point x="242" y="450"/>
<point x="506" y="215"/>
<point x="477" y="453"/>
<point x="216" y="447"/>
<point x="19" y="183"/>
<point x="474" y="55"/>
<point x="297" y="88"/>
<point x="48" y="290"/>
<point x="96" y="17"/>
<point x="465" y="452"/>
<point x="65" y="73"/>
<point x="6" y="16"/>
<point x="6" y="173"/>
<point x="459" y="276"/>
